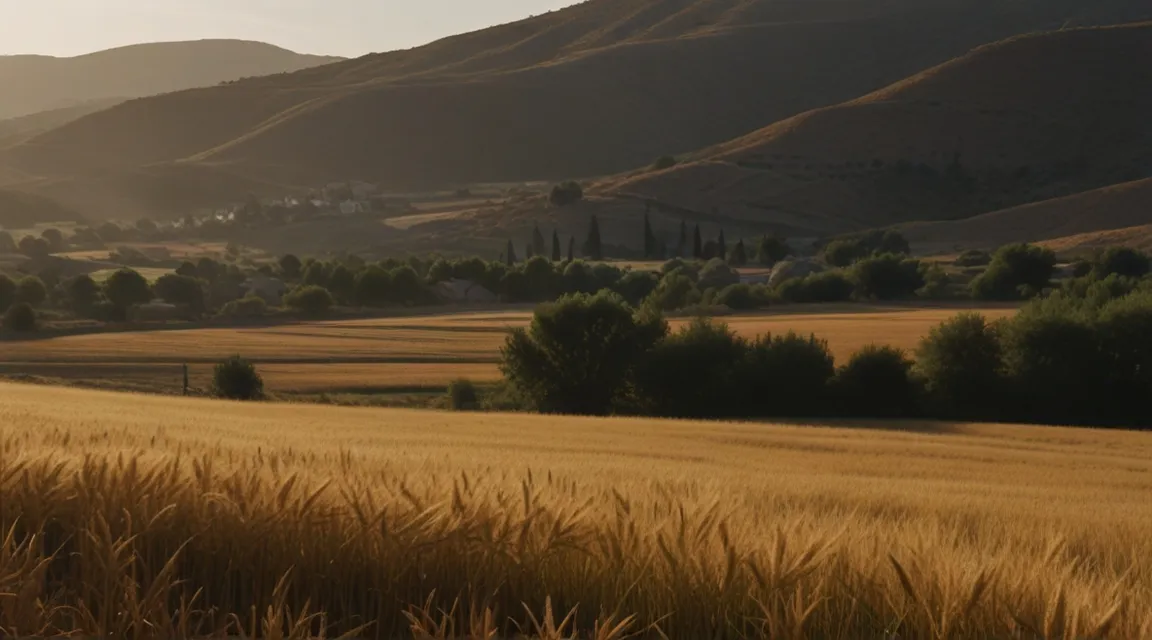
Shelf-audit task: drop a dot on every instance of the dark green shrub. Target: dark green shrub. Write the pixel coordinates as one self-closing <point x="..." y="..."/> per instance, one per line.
<point x="888" y="277"/>
<point x="237" y="379"/>
<point x="178" y="289"/>
<point x="1121" y="261"/>
<point x="247" y="307"/>
<point x="83" y="293"/>
<point x="675" y="291"/>
<point x="664" y="162"/>
<point x="740" y="297"/>
<point x="462" y="395"/>
<point x="635" y="286"/>
<point x="312" y="301"/>
<point x="829" y="286"/>
<point x="1015" y="272"/>
<point x="20" y="317"/>
<point x="877" y="382"/>
<point x="717" y="274"/>
<point x="843" y="253"/>
<point x="772" y="249"/>
<point x="373" y="287"/>
<point x="566" y="193"/>
<point x="8" y="292"/>
<point x="579" y="353"/>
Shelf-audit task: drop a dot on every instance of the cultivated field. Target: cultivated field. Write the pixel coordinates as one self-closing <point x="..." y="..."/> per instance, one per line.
<point x="707" y="529"/>
<point x="409" y="351"/>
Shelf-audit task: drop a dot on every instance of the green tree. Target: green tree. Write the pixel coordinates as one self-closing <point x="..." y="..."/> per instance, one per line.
<point x="571" y="248"/>
<point x="635" y="286"/>
<point x="664" y="162"/>
<point x="772" y="249"/>
<point x="691" y="373"/>
<point x="960" y="362"/>
<point x="406" y="286"/>
<point x="843" y="253"/>
<point x="739" y="256"/>
<point x="178" y="289"/>
<point x="31" y="291"/>
<point x="888" y="276"/>
<point x="556" y="255"/>
<point x="593" y="249"/>
<point x="721" y="247"/>
<point x="373" y="287"/>
<point x="682" y="243"/>
<point x="290" y="266"/>
<point x="55" y="240"/>
<point x="83" y="293"/>
<point x="697" y="244"/>
<point x="1017" y="271"/>
<point x="311" y="300"/>
<point x="1121" y="261"/>
<point x="510" y="254"/>
<point x="579" y="353"/>
<point x="20" y="317"/>
<point x="877" y="382"/>
<point x="538" y="247"/>
<point x="186" y="268"/>
<point x="237" y="379"/>
<point x="342" y="284"/>
<point x="125" y="288"/>
<point x="785" y="375"/>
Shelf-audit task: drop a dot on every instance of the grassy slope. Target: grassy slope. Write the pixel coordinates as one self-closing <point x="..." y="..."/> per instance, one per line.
<point x="599" y="87"/>
<point x="1099" y="214"/>
<point x="1027" y="119"/>
<point x="683" y="522"/>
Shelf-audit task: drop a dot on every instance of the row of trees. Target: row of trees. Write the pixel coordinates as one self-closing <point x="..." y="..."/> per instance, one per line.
<point x="1065" y="359"/>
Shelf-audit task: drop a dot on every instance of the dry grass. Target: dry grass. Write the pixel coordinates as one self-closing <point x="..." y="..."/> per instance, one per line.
<point x="403" y="351"/>
<point x="133" y="516"/>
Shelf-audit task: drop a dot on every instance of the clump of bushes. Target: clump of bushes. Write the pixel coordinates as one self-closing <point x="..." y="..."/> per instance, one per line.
<point x="237" y="379"/>
<point x="566" y="193"/>
<point x="313" y="301"/>
<point x="463" y="396"/>
<point x="1016" y="272"/>
<point x="828" y="286"/>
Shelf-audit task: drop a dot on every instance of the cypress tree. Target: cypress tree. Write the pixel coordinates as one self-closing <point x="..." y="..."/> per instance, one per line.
<point x="538" y="248"/>
<point x="528" y="252"/>
<point x="697" y="244"/>
<point x="556" y="257"/>
<point x="649" y="239"/>
<point x="571" y="248"/>
<point x="722" y="247"/>
<point x="510" y="254"/>
<point x="739" y="255"/>
<point x="593" y="250"/>
<point x="682" y="247"/>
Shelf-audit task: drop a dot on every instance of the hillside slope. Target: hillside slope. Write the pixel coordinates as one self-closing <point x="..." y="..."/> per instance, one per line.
<point x="32" y="84"/>
<point x="596" y="88"/>
<point x="1028" y="119"/>
<point x="1111" y="215"/>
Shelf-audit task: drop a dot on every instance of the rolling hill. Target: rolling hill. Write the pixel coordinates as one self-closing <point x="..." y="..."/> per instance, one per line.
<point x="34" y="84"/>
<point x="1117" y="214"/>
<point x="1033" y="118"/>
<point x="597" y="88"/>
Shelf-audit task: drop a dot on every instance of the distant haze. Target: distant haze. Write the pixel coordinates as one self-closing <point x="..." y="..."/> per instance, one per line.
<point x="333" y="27"/>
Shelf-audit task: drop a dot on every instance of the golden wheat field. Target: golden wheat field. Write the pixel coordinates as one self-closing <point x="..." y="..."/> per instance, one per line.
<point x="410" y="351"/>
<point x="150" y="517"/>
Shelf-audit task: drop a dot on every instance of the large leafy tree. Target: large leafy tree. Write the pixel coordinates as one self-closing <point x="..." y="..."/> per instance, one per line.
<point x="579" y="353"/>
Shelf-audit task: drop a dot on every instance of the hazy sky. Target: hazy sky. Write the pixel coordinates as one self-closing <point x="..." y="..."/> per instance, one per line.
<point x="333" y="27"/>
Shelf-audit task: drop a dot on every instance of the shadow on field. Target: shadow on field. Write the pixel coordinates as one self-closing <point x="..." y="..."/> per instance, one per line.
<point x="929" y="427"/>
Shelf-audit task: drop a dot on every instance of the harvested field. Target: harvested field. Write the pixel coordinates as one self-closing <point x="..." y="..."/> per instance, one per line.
<point x="911" y="530"/>
<point x="408" y="351"/>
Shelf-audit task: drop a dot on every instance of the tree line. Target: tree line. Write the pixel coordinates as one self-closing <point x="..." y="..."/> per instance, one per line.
<point x="1082" y="355"/>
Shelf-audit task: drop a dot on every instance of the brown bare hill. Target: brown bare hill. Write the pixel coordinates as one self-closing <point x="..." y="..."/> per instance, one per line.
<point x="1028" y="119"/>
<point x="32" y="84"/>
<point x="1111" y="215"/>
<point x="596" y="88"/>
<point x="19" y="210"/>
